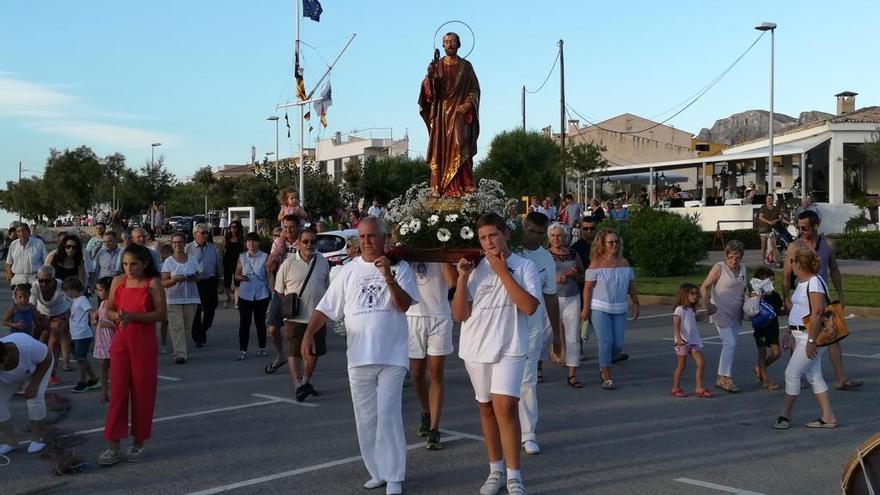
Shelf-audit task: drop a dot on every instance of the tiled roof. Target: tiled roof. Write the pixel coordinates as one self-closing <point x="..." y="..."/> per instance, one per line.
<point x="870" y="115"/>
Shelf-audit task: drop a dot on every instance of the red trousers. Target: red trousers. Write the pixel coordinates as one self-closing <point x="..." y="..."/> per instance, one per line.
<point x="134" y="375"/>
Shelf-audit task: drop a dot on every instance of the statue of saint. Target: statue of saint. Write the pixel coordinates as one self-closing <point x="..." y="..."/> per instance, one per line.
<point x="449" y="102"/>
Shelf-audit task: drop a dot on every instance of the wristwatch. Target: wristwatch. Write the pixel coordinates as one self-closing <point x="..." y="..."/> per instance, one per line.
<point x="812" y="341"/>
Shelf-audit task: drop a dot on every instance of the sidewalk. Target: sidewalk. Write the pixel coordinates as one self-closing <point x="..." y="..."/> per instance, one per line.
<point x="753" y="259"/>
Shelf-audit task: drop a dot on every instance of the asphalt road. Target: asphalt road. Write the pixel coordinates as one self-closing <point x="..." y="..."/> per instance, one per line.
<point x="226" y="427"/>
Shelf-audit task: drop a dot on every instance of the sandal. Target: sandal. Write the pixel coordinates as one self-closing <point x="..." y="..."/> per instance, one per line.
<point x="109" y="457"/>
<point x="820" y="423"/>
<point x="705" y="394"/>
<point x="757" y="374"/>
<point x="849" y="385"/>
<point x="274" y="366"/>
<point x="770" y="386"/>
<point x="679" y="393"/>
<point x="727" y="385"/>
<point x="573" y="382"/>
<point x="608" y="385"/>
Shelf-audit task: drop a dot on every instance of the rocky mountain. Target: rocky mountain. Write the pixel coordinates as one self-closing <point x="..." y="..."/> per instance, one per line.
<point x="752" y="124"/>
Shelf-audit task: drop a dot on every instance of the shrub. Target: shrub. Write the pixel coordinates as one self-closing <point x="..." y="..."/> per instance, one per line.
<point x="858" y="245"/>
<point x="749" y="238"/>
<point x="663" y="243"/>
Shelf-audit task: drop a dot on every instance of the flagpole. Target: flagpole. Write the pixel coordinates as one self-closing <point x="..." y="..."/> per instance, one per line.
<point x="302" y="197"/>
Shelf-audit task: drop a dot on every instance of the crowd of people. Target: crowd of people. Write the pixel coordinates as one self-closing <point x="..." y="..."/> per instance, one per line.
<point x="517" y="310"/>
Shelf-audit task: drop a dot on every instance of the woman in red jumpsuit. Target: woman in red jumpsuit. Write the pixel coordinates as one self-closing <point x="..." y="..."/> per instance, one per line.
<point x="136" y="303"/>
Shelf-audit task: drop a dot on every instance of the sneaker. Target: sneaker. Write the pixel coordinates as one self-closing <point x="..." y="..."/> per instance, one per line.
<point x="515" y="486"/>
<point x="93" y="385"/>
<point x="373" y="483"/>
<point x="180" y="360"/>
<point x="109" y="457"/>
<point x="35" y="447"/>
<point x="261" y="352"/>
<point x="494" y="483"/>
<point x="303" y="391"/>
<point x="531" y="447"/>
<point x="393" y="488"/>
<point x="5" y="448"/>
<point x="424" y="425"/>
<point x="433" y="442"/>
<point x="79" y="388"/>
<point x="134" y="454"/>
<point x="53" y="380"/>
<point x="782" y="423"/>
<point x="241" y="356"/>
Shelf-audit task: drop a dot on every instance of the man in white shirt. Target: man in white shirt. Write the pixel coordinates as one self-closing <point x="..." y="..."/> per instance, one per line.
<point x="208" y="258"/>
<point x="95" y="243"/>
<point x="373" y="297"/>
<point x="543" y="326"/>
<point x="26" y="255"/>
<point x="307" y="274"/>
<point x="375" y="210"/>
<point x="107" y="259"/>
<point x="493" y="302"/>
<point x="430" y="341"/>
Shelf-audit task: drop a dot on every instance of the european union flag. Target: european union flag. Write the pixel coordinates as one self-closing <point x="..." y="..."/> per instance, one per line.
<point x="312" y="9"/>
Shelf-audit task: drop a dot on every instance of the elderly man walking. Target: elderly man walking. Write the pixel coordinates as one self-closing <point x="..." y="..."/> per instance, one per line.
<point x="208" y="259"/>
<point x="107" y="258"/>
<point x="26" y="255"/>
<point x="307" y="274"/>
<point x="374" y="297"/>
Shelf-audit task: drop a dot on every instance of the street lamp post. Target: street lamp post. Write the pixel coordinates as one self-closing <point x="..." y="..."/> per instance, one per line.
<point x="275" y="118"/>
<point x="770" y="26"/>
<point x="152" y="168"/>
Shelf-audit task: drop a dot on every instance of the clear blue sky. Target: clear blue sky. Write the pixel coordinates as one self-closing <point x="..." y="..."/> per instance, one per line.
<point x="201" y="76"/>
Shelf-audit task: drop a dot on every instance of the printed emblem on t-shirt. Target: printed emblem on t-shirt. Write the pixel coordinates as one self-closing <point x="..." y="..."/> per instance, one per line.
<point x="369" y="296"/>
<point x="422" y="273"/>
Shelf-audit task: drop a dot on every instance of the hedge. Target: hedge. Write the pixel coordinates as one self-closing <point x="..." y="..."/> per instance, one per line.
<point x="749" y="238"/>
<point x="858" y="245"/>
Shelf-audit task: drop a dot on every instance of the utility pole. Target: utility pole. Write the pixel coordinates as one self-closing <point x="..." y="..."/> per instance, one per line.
<point x="561" y="115"/>
<point x="523" y="105"/>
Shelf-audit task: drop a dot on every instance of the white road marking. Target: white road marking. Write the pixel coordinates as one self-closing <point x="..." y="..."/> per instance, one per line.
<point x="193" y="414"/>
<point x="318" y="467"/>
<point x="720" y="488"/>
<point x="169" y="378"/>
<point x="285" y="400"/>
<point x="704" y="341"/>
<point x="665" y="315"/>
<point x="869" y="356"/>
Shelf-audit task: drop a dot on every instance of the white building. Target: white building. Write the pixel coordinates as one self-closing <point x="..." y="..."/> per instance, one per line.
<point x="823" y="158"/>
<point x="334" y="153"/>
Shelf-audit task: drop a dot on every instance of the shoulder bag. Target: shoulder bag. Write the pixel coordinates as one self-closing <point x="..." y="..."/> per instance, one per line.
<point x="291" y="303"/>
<point x="832" y="328"/>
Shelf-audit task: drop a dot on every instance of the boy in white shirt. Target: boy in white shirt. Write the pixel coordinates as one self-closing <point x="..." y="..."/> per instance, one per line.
<point x="493" y="302"/>
<point x="80" y="333"/>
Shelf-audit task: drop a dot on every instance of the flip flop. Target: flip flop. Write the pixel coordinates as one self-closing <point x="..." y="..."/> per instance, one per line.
<point x="849" y="385"/>
<point x="274" y="366"/>
<point x="573" y="382"/>
<point x="679" y="393"/>
<point x="820" y="423"/>
<point x="705" y="394"/>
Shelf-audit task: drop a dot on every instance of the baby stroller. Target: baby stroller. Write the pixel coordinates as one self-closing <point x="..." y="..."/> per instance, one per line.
<point x="781" y="238"/>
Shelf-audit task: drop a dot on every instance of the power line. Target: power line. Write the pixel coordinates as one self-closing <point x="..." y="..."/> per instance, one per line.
<point x="690" y="101"/>
<point x="549" y="73"/>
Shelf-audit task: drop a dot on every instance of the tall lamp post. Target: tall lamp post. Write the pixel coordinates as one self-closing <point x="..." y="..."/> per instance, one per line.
<point x="770" y="26"/>
<point x="152" y="168"/>
<point x="20" y="170"/>
<point x="275" y="118"/>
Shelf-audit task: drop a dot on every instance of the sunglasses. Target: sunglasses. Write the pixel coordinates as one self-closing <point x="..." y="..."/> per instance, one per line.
<point x="804" y="229"/>
<point x="308" y="242"/>
<point x="589" y="229"/>
<point x="70" y="246"/>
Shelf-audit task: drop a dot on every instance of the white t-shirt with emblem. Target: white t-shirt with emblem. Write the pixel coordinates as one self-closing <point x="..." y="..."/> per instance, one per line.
<point x="496" y="327"/>
<point x="433" y="291"/>
<point x="546" y="266"/>
<point x="376" y="331"/>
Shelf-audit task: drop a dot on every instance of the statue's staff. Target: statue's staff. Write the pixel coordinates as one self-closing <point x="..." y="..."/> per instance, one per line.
<point x="436" y="119"/>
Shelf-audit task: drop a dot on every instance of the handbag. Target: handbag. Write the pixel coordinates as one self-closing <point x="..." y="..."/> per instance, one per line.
<point x="832" y="328"/>
<point x="291" y="303"/>
<point x="752" y="307"/>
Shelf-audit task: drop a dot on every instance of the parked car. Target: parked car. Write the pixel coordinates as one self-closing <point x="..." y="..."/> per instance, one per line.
<point x="332" y="245"/>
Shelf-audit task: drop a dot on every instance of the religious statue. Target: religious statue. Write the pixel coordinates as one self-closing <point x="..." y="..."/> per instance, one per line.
<point x="449" y="102"/>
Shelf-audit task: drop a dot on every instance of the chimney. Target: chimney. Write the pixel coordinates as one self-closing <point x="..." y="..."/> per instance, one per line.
<point x="846" y="102"/>
<point x="574" y="126"/>
<point x="338" y="138"/>
<point x="547" y="132"/>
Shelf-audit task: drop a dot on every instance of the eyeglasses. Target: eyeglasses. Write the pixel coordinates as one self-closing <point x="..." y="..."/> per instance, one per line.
<point x="308" y="242"/>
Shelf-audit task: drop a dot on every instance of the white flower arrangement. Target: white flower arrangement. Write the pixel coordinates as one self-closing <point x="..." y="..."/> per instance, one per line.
<point x="443" y="234"/>
<point x="415" y="225"/>
<point x="466" y="233"/>
<point x="452" y="217"/>
<point x="403" y="228"/>
<point x="433" y="219"/>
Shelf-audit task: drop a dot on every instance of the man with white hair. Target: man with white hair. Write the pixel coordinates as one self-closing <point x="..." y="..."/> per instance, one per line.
<point x="208" y="259"/>
<point x="373" y="297"/>
<point x="26" y="255"/>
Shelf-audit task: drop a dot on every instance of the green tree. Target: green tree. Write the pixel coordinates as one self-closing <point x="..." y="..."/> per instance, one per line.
<point x="526" y="162"/>
<point x="386" y="178"/>
<point x="584" y="158"/>
<point x="352" y="175"/>
<point x="72" y="178"/>
<point x="158" y="181"/>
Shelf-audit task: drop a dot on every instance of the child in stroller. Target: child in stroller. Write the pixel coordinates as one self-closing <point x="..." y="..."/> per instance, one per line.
<point x="780" y="238"/>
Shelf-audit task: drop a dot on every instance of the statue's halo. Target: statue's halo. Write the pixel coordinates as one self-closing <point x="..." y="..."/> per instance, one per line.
<point x="473" y="38"/>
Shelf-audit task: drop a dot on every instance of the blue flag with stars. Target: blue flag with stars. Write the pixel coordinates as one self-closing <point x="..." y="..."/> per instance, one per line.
<point x="312" y="9"/>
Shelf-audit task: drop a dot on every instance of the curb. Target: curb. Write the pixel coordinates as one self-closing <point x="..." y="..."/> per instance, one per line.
<point x="859" y="311"/>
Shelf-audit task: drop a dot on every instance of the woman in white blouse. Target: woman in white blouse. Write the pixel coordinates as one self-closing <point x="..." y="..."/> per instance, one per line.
<point x="809" y="299"/>
<point x="253" y="295"/>
<point x="179" y="274"/>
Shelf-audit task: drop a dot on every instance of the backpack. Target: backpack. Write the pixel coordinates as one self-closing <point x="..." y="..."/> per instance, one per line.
<point x="764" y="316"/>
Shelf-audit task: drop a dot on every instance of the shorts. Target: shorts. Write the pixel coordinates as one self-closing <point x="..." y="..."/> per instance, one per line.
<point x="273" y="316"/>
<point x="684" y="350"/>
<point x="502" y="378"/>
<point x="294" y="333"/>
<point x="429" y="336"/>
<point x="81" y="349"/>
<point x="767" y="336"/>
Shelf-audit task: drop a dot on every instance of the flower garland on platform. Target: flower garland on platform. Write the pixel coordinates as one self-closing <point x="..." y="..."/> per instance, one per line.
<point x="420" y="221"/>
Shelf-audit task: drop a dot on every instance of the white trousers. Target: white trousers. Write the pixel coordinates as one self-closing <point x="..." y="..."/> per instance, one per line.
<point x="728" y="349"/>
<point x="36" y="407"/>
<point x="528" y="392"/>
<point x="570" y="316"/>
<point x="376" y="394"/>
<point x="800" y="365"/>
